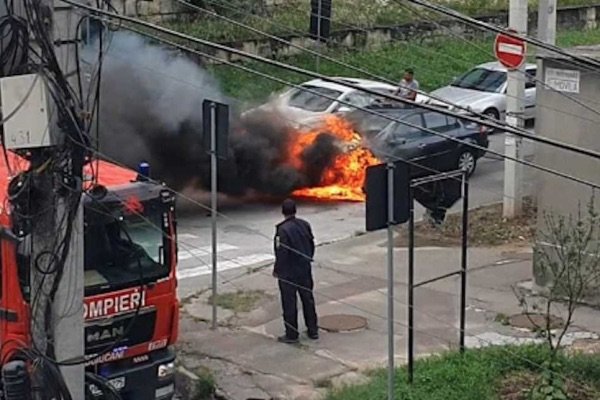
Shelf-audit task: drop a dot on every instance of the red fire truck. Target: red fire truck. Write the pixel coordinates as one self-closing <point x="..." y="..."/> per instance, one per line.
<point x="131" y="308"/>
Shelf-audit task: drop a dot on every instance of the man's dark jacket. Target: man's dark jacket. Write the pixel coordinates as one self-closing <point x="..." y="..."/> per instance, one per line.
<point x="294" y="249"/>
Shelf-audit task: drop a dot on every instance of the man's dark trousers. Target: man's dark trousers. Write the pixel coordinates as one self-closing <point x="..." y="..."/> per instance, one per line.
<point x="290" y="289"/>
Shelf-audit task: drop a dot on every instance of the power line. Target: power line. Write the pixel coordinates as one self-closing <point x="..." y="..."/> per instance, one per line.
<point x="378" y="77"/>
<point x="480" y="24"/>
<point x="524" y="73"/>
<point x="370" y="111"/>
<point x="367" y="312"/>
<point x="239" y="11"/>
<point x="316" y="75"/>
<point x="260" y="74"/>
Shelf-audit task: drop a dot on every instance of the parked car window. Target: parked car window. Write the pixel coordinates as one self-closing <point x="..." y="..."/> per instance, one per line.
<point x="481" y="79"/>
<point x="439" y="122"/>
<point x="402" y="131"/>
<point x="367" y="123"/>
<point x="453" y="122"/>
<point x="358" y="99"/>
<point x="530" y="82"/>
<point x="313" y="101"/>
<point x="435" y="121"/>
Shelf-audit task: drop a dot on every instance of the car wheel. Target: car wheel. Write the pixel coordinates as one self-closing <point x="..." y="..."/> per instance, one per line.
<point x="467" y="161"/>
<point x="492" y="113"/>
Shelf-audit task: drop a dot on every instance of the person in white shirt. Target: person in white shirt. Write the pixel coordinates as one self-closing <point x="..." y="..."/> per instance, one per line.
<point x="408" y="86"/>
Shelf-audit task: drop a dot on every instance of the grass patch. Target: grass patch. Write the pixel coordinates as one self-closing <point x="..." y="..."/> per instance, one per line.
<point x="206" y="384"/>
<point x="292" y="17"/>
<point x="436" y="63"/>
<point x="480" y="375"/>
<point x="239" y="302"/>
<point x="487" y="227"/>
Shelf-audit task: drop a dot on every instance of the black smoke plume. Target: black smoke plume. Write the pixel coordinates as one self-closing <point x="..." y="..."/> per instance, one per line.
<point x="151" y="110"/>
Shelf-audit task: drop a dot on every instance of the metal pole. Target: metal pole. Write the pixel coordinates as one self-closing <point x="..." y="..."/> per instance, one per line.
<point x="213" y="208"/>
<point x="463" y="275"/>
<point x="319" y="34"/>
<point x="546" y="23"/>
<point x="55" y="332"/>
<point x="515" y="107"/>
<point x="411" y="281"/>
<point x="390" y="280"/>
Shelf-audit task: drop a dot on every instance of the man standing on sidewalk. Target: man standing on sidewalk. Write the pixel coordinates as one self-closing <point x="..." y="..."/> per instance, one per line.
<point x="294" y="252"/>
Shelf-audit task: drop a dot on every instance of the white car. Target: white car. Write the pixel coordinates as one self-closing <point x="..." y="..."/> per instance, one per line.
<point x="482" y="90"/>
<point x="305" y="108"/>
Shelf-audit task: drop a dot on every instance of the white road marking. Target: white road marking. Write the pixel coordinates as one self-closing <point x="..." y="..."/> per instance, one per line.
<point x="186" y="250"/>
<point x="237" y="262"/>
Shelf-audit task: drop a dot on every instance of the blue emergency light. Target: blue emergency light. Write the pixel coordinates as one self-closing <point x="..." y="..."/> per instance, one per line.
<point x="143" y="171"/>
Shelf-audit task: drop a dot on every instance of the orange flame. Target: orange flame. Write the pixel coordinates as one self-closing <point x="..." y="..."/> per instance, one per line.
<point x="344" y="179"/>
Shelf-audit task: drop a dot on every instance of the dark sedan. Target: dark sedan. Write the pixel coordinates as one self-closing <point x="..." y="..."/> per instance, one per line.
<point x="412" y="140"/>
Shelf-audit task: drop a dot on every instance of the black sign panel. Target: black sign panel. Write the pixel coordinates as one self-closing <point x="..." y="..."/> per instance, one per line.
<point x="221" y="125"/>
<point x="132" y="329"/>
<point x="377" y="196"/>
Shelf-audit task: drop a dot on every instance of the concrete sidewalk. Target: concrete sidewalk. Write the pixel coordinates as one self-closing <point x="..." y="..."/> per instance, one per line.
<point x="350" y="278"/>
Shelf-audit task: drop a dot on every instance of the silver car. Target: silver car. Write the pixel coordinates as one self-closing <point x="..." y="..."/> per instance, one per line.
<point x="482" y="90"/>
<point x="304" y="108"/>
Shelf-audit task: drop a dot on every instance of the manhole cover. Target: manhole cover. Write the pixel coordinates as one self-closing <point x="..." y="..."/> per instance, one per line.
<point x="342" y="323"/>
<point x="534" y="322"/>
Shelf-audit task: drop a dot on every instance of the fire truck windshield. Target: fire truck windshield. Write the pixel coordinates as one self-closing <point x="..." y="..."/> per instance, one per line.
<point x="123" y="249"/>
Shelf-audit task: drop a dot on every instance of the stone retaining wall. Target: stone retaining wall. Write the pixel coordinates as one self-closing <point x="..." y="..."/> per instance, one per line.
<point x="580" y="17"/>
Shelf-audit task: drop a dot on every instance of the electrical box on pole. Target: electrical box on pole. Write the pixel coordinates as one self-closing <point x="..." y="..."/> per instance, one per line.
<point x="26" y="109"/>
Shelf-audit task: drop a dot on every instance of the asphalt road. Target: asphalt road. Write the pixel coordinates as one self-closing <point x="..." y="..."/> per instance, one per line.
<point x="245" y="230"/>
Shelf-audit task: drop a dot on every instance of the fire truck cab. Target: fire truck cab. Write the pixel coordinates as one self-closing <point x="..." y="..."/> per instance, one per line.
<point x="131" y="308"/>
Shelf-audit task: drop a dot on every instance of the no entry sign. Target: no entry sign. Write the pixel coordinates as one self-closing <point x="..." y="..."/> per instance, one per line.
<point x="510" y="52"/>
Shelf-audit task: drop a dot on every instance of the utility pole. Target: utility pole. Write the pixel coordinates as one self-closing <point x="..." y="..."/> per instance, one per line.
<point x="213" y="209"/>
<point x="57" y="324"/>
<point x="515" y="107"/>
<point x="546" y="23"/>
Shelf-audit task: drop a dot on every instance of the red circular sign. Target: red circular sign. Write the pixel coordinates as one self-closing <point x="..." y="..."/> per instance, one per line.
<point x="510" y="52"/>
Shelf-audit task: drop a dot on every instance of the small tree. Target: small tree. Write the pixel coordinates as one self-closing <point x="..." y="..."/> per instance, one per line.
<point x="568" y="259"/>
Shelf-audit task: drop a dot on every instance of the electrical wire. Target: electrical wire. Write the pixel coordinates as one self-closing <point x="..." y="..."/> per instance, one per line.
<point x="592" y="64"/>
<point x="365" y="72"/>
<point x="382" y="317"/>
<point x="387" y="117"/>
<point x="305" y="72"/>
<point x="285" y="29"/>
<point x="401" y="324"/>
<point x="523" y="73"/>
